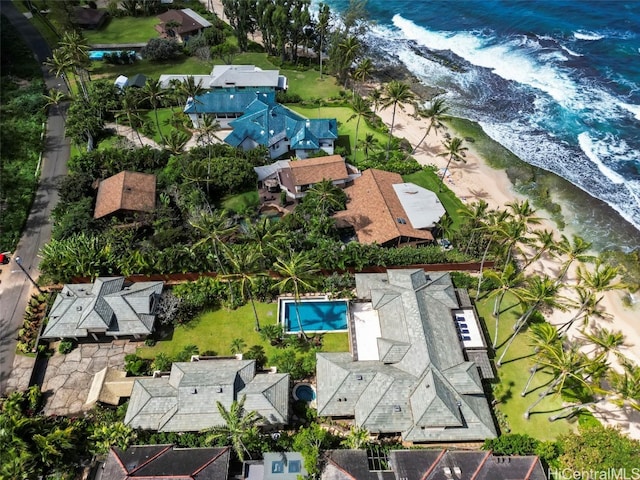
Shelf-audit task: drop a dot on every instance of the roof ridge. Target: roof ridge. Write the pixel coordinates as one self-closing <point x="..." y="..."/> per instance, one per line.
<point x="533" y="465"/>
<point x="382" y="394"/>
<point x="384" y="199"/>
<point x="433" y="465"/>
<point x="484" y="460"/>
<point x="224" y="450"/>
<point x="151" y="459"/>
<point x="339" y="467"/>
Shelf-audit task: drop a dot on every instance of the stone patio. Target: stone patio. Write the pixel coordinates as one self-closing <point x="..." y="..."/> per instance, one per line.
<point x="68" y="377"/>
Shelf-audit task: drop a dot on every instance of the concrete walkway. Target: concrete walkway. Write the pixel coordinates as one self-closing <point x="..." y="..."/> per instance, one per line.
<point x="68" y="377"/>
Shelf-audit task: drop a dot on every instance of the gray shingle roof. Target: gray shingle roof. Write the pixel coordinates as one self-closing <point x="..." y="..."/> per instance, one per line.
<point x="106" y="306"/>
<point x="187" y="399"/>
<point x="422" y="386"/>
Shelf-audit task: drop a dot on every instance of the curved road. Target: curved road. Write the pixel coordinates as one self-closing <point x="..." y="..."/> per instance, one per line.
<point x="15" y="288"/>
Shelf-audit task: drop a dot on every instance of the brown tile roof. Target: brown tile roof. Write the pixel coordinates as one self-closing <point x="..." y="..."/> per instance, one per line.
<point x="131" y="191"/>
<point x="374" y="209"/>
<point x="187" y="23"/>
<point x="314" y="170"/>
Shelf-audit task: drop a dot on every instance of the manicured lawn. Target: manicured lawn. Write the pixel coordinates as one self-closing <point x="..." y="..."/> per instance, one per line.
<point x="124" y="30"/>
<point x="309" y="86"/>
<point x="241" y="202"/>
<point x="430" y="180"/>
<point x="165" y="116"/>
<point x="514" y="374"/>
<point x="215" y="330"/>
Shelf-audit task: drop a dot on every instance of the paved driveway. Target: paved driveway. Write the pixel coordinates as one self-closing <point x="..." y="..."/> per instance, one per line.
<point x="68" y="378"/>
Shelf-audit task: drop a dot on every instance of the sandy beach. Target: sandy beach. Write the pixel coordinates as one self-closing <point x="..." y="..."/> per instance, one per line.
<point x="475" y="180"/>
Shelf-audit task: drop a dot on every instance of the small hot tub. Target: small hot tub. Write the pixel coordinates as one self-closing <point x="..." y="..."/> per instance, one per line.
<point x="305" y="392"/>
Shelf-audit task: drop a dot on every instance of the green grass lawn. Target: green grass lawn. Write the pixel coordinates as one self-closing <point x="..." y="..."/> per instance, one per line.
<point x="430" y="180"/>
<point x="124" y="30"/>
<point x="164" y="118"/>
<point x="216" y="329"/>
<point x="184" y="65"/>
<point x="309" y="86"/>
<point x="513" y="377"/>
<point x="241" y="202"/>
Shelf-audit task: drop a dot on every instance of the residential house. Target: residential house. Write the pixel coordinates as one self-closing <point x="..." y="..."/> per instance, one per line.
<point x="107" y="307"/>
<point x="181" y="24"/>
<point x="89" y="18"/>
<point x="275" y="466"/>
<point x="295" y="177"/>
<point x="430" y="465"/>
<point x="236" y="77"/>
<point x="282" y="131"/>
<point x="186" y="399"/>
<point x="383" y="209"/>
<point x="407" y="373"/>
<point x="151" y="462"/>
<point x="126" y="192"/>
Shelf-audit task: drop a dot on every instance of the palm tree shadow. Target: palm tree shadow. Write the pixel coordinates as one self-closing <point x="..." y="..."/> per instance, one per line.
<point x="479" y="193"/>
<point x="511" y="360"/>
<point x="508" y="308"/>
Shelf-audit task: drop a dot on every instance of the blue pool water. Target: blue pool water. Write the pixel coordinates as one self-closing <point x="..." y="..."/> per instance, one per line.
<point x="321" y="316"/>
<point x="99" y="54"/>
<point x="304" y="392"/>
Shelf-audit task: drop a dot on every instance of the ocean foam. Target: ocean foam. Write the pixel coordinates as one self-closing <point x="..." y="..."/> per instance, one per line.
<point x="585" y="35"/>
<point x="593" y="151"/>
<point x="634" y="109"/>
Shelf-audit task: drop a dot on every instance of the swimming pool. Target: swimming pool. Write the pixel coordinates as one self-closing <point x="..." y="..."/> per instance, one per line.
<point x="304" y="392"/>
<point x="99" y="54"/>
<point x="316" y="314"/>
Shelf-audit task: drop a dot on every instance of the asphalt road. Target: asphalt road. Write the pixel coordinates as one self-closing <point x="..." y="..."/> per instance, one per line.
<point x="15" y="287"/>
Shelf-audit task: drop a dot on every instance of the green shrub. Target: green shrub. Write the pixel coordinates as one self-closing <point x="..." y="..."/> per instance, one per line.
<point x="65" y="346"/>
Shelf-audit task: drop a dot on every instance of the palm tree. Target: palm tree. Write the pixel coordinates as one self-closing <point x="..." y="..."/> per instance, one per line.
<point x="348" y="50"/>
<point x="357" y="438"/>
<point x="325" y="197"/>
<point x="574" y="249"/>
<point x="361" y="108"/>
<point x="604" y="341"/>
<point x="265" y="234"/>
<point x="75" y="47"/>
<point x="539" y="291"/>
<point x="376" y="97"/>
<point x="493" y="228"/>
<point x="244" y="263"/>
<point x="396" y="93"/>
<point x="543" y="336"/>
<point x="60" y="64"/>
<point x="565" y="363"/>
<point x="297" y="272"/>
<point x="625" y="385"/>
<point x="362" y="71"/>
<point x="191" y="89"/>
<point x="55" y="98"/>
<point x="215" y="228"/>
<point x="454" y="151"/>
<point x="589" y="285"/>
<point x="155" y="95"/>
<point x="176" y="141"/>
<point x="239" y="426"/>
<point x="132" y="114"/>
<point x="435" y="114"/>
<point x="509" y="278"/>
<point x="368" y="144"/>
<point x="474" y="216"/>
<point x="238" y="345"/>
<point x="545" y="242"/>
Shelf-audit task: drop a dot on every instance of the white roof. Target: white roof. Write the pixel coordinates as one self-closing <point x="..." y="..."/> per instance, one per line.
<point x="121" y="81"/>
<point x="202" y="21"/>
<point x="422" y="206"/>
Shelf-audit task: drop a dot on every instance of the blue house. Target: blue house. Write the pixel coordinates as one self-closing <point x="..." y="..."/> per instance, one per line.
<point x="282" y="130"/>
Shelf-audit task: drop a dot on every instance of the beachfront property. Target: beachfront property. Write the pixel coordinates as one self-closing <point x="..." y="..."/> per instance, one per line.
<point x="236" y="77"/>
<point x="186" y="399"/>
<point x="296" y="177"/>
<point x="126" y="192"/>
<point x="383" y="209"/>
<point x="107" y="308"/>
<point x="146" y="462"/>
<point x="409" y="372"/>
<point x="181" y="24"/>
<point x="429" y="465"/>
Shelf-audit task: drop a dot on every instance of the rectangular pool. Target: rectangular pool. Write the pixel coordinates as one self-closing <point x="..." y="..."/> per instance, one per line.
<point x="316" y="314"/>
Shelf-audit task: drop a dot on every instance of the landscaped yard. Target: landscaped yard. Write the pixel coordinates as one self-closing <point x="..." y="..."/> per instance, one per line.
<point x="241" y="202"/>
<point x="184" y="65"/>
<point x="215" y="330"/>
<point x="514" y="374"/>
<point x="124" y="30"/>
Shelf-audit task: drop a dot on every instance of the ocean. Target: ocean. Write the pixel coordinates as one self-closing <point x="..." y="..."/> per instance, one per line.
<point x="557" y="82"/>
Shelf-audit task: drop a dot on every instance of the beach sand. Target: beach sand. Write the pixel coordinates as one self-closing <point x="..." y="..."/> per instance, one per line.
<point x="475" y="180"/>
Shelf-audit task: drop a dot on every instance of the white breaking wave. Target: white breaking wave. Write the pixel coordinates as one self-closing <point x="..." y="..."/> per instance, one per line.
<point x="634" y="109"/>
<point x="593" y="152"/>
<point x="585" y="35"/>
<point x="571" y="52"/>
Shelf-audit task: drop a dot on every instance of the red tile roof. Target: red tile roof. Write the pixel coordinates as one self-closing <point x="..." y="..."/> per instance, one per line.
<point x="129" y="191"/>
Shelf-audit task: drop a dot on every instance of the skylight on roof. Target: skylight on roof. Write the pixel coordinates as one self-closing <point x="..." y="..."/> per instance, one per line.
<point x="401" y="221"/>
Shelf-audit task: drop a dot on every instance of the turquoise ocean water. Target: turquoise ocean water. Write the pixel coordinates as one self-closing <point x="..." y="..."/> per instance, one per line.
<point x="557" y="82"/>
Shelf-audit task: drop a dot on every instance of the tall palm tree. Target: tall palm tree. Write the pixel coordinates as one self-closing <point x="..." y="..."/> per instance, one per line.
<point x="55" y="98"/>
<point x="325" y="197"/>
<point x="539" y="291"/>
<point x="376" y="97"/>
<point x="348" y="50"/>
<point x="363" y="70"/>
<point x="368" y="144"/>
<point x="132" y="114"/>
<point x="396" y="94"/>
<point x="361" y="108"/>
<point x="176" y="141"/>
<point x="545" y="242"/>
<point x="591" y="283"/>
<point x="191" y="89"/>
<point x="435" y="114"/>
<point x="542" y="336"/>
<point x="565" y="363"/>
<point x="155" y="94"/>
<point x="625" y="385"/>
<point x="506" y="280"/>
<point x="492" y="229"/>
<point x="60" y="65"/>
<point x="215" y="228"/>
<point x="264" y="234"/>
<point x="244" y="265"/>
<point x="454" y="151"/>
<point x="75" y="47"/>
<point x="207" y="130"/>
<point x="604" y="342"/>
<point x="474" y="217"/>
<point x="297" y="272"/>
<point x="239" y="426"/>
<point x="574" y="250"/>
